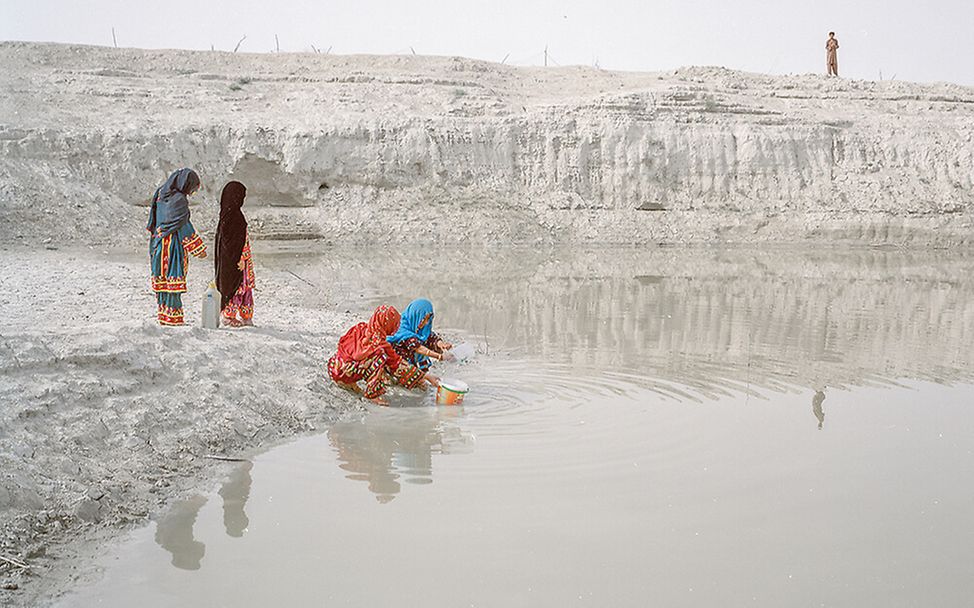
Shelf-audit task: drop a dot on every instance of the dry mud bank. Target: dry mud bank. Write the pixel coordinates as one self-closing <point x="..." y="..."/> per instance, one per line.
<point x="106" y="416"/>
<point x="443" y="148"/>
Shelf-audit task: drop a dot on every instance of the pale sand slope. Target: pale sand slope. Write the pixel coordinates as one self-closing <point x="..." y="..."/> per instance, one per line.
<point x="106" y="416"/>
<point x="445" y="148"/>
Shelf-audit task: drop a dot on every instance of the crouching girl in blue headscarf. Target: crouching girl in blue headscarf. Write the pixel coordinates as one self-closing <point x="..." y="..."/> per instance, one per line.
<point x="415" y="341"/>
<point x="172" y="239"/>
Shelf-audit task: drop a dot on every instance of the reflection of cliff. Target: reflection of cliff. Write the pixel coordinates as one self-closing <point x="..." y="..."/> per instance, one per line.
<point x="784" y="328"/>
<point x="712" y="319"/>
<point x="387" y="445"/>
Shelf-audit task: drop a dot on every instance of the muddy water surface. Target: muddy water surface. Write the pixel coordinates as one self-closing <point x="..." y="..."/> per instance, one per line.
<point x="674" y="428"/>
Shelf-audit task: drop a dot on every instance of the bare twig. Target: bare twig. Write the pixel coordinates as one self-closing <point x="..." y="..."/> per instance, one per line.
<point x="13" y="562"/>
<point x="225" y="458"/>
<point x="114" y="41"/>
<point x="413" y="50"/>
<point x="239" y="42"/>
<point x="302" y="279"/>
<point x="328" y="51"/>
<point x="277" y="43"/>
<point x="314" y="49"/>
<point x="504" y="60"/>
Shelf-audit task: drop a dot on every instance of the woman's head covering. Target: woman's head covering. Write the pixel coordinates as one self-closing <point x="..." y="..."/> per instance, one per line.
<point x="170" y="205"/>
<point x="365" y="339"/>
<point x="232" y="199"/>
<point x="412" y="316"/>
<point x="231" y="235"/>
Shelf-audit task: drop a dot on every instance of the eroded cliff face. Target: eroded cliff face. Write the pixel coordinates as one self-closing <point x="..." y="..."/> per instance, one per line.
<point x="448" y="149"/>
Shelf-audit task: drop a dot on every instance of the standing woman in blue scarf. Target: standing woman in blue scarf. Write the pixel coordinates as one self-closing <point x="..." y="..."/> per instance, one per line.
<point x="172" y="239"/>
<point x="415" y="341"/>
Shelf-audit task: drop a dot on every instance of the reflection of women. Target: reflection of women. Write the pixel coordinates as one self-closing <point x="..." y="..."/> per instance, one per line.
<point x="174" y="533"/>
<point x="387" y="447"/>
<point x="172" y="239"/>
<point x="235" y="493"/>
<point x="415" y="340"/>
<point x="234" y="265"/>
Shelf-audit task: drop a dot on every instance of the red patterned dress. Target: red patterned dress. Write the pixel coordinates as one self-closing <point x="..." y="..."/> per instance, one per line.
<point x="240" y="309"/>
<point x="364" y="354"/>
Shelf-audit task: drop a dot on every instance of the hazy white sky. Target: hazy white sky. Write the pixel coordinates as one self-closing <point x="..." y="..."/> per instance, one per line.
<point x="911" y="40"/>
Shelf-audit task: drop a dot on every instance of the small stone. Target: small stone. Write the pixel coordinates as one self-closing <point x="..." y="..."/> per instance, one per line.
<point x="11" y="586"/>
<point x="95" y="493"/>
<point x="88" y="510"/>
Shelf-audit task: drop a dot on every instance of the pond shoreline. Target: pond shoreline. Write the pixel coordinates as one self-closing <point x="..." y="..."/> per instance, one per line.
<point x="108" y="417"/>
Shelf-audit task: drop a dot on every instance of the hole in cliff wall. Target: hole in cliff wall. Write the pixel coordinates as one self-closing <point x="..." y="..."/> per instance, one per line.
<point x="323" y="186"/>
<point x="268" y="184"/>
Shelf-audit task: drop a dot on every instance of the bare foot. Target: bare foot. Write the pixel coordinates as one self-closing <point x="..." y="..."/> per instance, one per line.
<point x="355" y="388"/>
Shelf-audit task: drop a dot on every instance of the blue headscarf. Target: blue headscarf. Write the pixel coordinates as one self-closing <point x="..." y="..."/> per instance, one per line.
<point x="412" y="316"/>
<point x="170" y="207"/>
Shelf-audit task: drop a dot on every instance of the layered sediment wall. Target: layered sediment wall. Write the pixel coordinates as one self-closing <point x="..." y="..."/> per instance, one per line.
<point x="354" y="148"/>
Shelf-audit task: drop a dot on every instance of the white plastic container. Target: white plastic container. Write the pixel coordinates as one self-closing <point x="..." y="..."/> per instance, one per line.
<point x="211" y="307"/>
<point x="463" y="351"/>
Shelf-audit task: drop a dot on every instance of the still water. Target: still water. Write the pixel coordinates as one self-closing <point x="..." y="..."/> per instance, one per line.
<point x="644" y="428"/>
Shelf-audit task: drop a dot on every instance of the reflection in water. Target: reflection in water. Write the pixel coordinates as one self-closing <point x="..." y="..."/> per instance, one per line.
<point x="710" y="321"/>
<point x="592" y="473"/>
<point x="235" y="492"/>
<point x="389" y="444"/>
<point x="817" y="400"/>
<point x="174" y="531"/>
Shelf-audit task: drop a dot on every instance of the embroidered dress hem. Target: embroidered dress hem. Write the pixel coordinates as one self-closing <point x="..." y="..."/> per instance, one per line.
<point x="170" y="316"/>
<point x="168" y="285"/>
<point x="409" y="376"/>
<point x="350" y="372"/>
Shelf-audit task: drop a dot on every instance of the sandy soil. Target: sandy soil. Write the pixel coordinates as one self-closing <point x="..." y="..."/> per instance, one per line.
<point x="107" y="416"/>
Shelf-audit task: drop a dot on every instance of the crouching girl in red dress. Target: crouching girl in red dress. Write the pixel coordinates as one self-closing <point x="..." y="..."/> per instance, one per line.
<point x="365" y="354"/>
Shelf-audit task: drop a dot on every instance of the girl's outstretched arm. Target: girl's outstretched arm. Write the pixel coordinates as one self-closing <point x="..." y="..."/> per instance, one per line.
<point x="432" y="354"/>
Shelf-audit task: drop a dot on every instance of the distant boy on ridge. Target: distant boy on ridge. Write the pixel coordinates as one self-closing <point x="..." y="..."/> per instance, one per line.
<point x="831" y="55"/>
